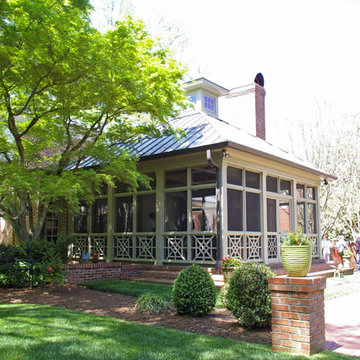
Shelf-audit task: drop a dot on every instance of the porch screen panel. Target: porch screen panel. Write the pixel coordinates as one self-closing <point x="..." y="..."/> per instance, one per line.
<point x="203" y="210"/>
<point x="311" y="219"/>
<point x="175" y="211"/>
<point x="252" y="179"/>
<point x="146" y="213"/>
<point x="80" y="220"/>
<point x="271" y="215"/>
<point x="124" y="214"/>
<point x="284" y="216"/>
<point x="99" y="216"/>
<point x="234" y="176"/>
<point x="252" y="212"/>
<point x="300" y="210"/>
<point x="235" y="210"/>
<point x="203" y="175"/>
<point x="175" y="178"/>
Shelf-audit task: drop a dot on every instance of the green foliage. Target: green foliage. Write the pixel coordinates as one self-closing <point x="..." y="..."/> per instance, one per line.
<point x="296" y="239"/>
<point x="152" y="303"/>
<point x="194" y="291"/>
<point x="248" y="297"/>
<point x="223" y="294"/>
<point x="68" y="93"/>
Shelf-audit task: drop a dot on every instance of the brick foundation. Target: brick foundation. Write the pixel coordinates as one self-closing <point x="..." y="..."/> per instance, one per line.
<point x="298" y="321"/>
<point x="79" y="273"/>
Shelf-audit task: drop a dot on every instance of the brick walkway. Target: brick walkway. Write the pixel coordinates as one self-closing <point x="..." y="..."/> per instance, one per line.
<point x="342" y="324"/>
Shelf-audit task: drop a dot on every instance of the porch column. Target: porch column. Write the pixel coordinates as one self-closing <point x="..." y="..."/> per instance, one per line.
<point x="110" y="225"/>
<point x="160" y="216"/>
<point x="264" y="218"/>
<point x="223" y="215"/>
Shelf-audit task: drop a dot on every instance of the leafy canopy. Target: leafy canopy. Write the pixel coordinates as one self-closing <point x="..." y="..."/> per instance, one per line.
<point x="69" y="93"/>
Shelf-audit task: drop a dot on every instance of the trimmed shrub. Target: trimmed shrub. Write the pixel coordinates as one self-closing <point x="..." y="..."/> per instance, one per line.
<point x="152" y="303"/>
<point x="194" y="291"/>
<point x="248" y="297"/>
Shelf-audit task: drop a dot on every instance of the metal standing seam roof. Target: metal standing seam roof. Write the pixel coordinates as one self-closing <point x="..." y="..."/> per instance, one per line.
<point x="204" y="131"/>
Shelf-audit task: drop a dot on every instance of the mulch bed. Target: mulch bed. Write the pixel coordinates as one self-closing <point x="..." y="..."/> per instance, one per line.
<point x="220" y="322"/>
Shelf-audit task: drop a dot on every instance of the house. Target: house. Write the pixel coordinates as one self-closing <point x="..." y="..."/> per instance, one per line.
<point x="219" y="191"/>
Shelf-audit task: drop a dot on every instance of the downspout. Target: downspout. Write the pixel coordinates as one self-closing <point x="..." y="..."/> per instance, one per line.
<point x="218" y="210"/>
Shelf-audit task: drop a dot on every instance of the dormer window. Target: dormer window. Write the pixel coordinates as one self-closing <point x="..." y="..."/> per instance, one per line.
<point x="209" y="103"/>
<point x="192" y="98"/>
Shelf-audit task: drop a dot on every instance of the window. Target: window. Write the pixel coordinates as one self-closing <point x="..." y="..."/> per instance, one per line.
<point x="310" y="193"/>
<point x="52" y="226"/>
<point x="203" y="210"/>
<point x="285" y="187"/>
<point x="306" y="208"/>
<point x="252" y="179"/>
<point x="284" y="216"/>
<point x="209" y="103"/>
<point x="145" y="208"/>
<point x="99" y="216"/>
<point x="192" y="98"/>
<point x="175" y="178"/>
<point x="234" y="176"/>
<point x="80" y="220"/>
<point x="203" y="175"/>
<point x="300" y="210"/>
<point x="252" y="211"/>
<point x="235" y="210"/>
<point x="124" y="214"/>
<point x="300" y="191"/>
<point x="311" y="219"/>
<point x="175" y="211"/>
<point x="271" y="215"/>
<point x="272" y="184"/>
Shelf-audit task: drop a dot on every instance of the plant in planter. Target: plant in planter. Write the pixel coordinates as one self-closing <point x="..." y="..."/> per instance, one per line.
<point x="228" y="265"/>
<point x="296" y="254"/>
<point x="345" y="256"/>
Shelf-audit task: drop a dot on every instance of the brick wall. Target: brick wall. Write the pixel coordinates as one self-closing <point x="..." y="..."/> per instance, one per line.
<point x="298" y="322"/>
<point x="79" y="273"/>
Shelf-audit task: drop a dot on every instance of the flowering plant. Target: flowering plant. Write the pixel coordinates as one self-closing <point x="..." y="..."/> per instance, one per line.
<point x="296" y="238"/>
<point x="345" y="253"/>
<point x="227" y="262"/>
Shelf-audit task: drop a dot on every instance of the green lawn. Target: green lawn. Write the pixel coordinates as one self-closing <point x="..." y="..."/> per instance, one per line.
<point x="336" y="287"/>
<point x="29" y="332"/>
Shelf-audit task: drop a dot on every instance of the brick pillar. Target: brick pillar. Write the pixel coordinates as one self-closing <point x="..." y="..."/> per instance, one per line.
<point x="298" y="322"/>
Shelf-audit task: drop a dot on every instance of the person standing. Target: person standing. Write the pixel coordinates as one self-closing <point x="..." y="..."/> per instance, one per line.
<point x="357" y="247"/>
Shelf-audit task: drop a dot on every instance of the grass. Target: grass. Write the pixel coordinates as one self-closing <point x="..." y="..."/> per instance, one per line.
<point x="41" y="332"/>
<point x="336" y="287"/>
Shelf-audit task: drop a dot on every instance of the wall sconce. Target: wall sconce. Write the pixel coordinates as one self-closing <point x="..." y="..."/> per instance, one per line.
<point x="325" y="182"/>
<point x="224" y="154"/>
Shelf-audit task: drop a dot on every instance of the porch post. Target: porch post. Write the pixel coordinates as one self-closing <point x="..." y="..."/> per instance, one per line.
<point x="264" y="218"/>
<point x="110" y="225"/>
<point x="160" y="216"/>
<point x="222" y="222"/>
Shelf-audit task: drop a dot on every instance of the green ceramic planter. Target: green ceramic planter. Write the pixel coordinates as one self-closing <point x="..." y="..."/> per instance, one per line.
<point x="296" y="260"/>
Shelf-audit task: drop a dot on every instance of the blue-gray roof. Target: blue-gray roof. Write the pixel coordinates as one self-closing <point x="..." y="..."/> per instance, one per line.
<point x="202" y="132"/>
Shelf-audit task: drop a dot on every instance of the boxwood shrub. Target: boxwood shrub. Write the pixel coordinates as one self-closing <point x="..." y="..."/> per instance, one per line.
<point x="248" y="297"/>
<point x="194" y="291"/>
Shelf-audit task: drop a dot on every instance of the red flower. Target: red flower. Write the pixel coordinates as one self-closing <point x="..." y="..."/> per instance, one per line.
<point x="49" y="268"/>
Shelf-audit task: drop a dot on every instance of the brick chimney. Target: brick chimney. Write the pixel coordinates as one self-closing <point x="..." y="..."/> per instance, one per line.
<point x="244" y="107"/>
<point x="260" y="111"/>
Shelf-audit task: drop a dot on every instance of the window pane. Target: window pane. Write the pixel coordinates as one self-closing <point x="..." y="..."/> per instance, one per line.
<point x="285" y="187"/>
<point x="252" y="180"/>
<point x="311" y="219"/>
<point x="310" y="193"/>
<point x="284" y="216"/>
<point x="203" y="175"/>
<point x="301" y="217"/>
<point x="124" y="214"/>
<point x="235" y="210"/>
<point x="203" y="210"/>
<point x="80" y="220"/>
<point x="252" y="212"/>
<point x="175" y="211"/>
<point x="152" y="183"/>
<point x="300" y="191"/>
<point x="99" y="216"/>
<point x="146" y="213"/>
<point x="51" y="226"/>
<point x="234" y="176"/>
<point x="271" y="184"/>
<point x="271" y="215"/>
<point x="175" y="178"/>
<point x="209" y="103"/>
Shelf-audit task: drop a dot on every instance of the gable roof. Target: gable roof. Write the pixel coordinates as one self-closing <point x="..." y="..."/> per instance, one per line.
<point x="207" y="132"/>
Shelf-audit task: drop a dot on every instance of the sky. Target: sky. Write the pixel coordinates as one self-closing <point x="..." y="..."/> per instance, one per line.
<point x="308" y="51"/>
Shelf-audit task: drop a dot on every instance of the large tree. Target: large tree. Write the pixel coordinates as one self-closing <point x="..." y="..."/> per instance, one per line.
<point x="69" y="93"/>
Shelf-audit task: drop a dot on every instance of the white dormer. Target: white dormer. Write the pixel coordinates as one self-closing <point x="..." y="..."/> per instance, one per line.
<point x="204" y="95"/>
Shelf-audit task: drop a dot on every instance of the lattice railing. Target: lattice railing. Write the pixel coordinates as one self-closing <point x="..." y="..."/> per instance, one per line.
<point x="123" y="247"/>
<point x="315" y="244"/>
<point x="203" y="247"/>
<point x="175" y="247"/>
<point x="246" y="246"/>
<point x="145" y="247"/>
<point x="272" y="246"/>
<point x="85" y="243"/>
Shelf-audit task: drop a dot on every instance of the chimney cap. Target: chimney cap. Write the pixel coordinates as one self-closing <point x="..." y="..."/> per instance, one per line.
<point x="259" y="79"/>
